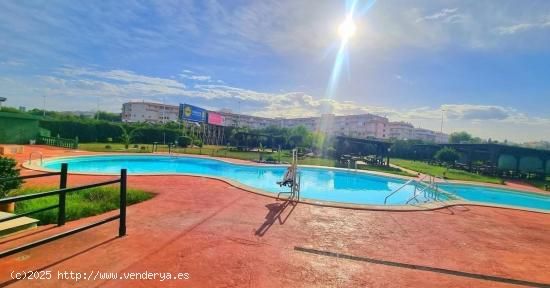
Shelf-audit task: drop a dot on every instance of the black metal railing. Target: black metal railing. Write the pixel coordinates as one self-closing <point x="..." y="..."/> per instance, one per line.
<point x="58" y="142"/>
<point x="61" y="206"/>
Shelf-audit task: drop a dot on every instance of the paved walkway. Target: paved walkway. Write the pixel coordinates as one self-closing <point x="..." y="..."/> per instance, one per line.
<point x="225" y="237"/>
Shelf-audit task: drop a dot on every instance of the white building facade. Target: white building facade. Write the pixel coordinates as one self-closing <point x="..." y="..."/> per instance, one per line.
<point x="149" y="112"/>
<point x="357" y="126"/>
<point x="406" y="131"/>
<point x="401" y="130"/>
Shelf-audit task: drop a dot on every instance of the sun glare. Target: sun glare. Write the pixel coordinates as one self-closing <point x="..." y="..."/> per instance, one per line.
<point x="347" y="29"/>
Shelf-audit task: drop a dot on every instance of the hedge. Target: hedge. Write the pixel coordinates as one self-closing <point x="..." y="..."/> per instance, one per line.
<point x="148" y="135"/>
<point x="101" y="131"/>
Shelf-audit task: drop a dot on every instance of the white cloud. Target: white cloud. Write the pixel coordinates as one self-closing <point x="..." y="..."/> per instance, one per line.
<point x="522" y="27"/>
<point x="12" y="63"/>
<point x="122" y="76"/>
<point x="188" y="74"/>
<point x="78" y="89"/>
<point x="219" y="28"/>
<point x="478" y="112"/>
<point x="444" y="15"/>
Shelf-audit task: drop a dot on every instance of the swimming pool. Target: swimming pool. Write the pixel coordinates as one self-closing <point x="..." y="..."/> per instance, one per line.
<point x="332" y="185"/>
<point x="325" y="184"/>
<point x="498" y="196"/>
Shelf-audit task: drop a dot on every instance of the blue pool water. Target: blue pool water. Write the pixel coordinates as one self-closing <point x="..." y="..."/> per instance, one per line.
<point x="316" y="183"/>
<point x="498" y="196"/>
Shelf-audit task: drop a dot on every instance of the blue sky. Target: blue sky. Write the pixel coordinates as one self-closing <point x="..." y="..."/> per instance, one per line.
<point x="486" y="63"/>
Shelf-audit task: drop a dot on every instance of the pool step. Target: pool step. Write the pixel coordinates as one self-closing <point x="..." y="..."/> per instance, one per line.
<point x="15" y="225"/>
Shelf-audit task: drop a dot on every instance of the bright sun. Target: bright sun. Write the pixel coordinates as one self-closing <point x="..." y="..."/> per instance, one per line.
<point x="347" y="29"/>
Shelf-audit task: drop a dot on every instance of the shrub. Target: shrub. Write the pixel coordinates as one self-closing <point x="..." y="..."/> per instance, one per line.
<point x="89" y="131"/>
<point x="108" y="147"/>
<point x="143" y="148"/>
<point x="197" y="142"/>
<point x="136" y="145"/>
<point x="184" y="141"/>
<point x="447" y="155"/>
<point x="8" y="169"/>
<point x="86" y="131"/>
<point x="270" y="159"/>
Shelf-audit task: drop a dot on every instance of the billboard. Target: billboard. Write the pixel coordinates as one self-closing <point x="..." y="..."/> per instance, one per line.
<point x="215" y="118"/>
<point x="192" y="113"/>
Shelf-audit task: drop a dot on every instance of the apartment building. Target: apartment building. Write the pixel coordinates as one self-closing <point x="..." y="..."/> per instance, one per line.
<point x="441" y="138"/>
<point x="401" y="130"/>
<point x="406" y="131"/>
<point x="240" y="120"/>
<point x="311" y="123"/>
<point x="358" y="126"/>
<point x="149" y="112"/>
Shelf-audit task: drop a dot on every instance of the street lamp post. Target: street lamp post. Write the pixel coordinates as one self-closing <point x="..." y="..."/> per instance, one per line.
<point x="97" y="110"/>
<point x="442" y="115"/>
<point x="44" y="107"/>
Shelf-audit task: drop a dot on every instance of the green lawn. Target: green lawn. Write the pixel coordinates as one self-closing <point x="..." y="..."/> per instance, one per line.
<point x="115" y="147"/>
<point x="451" y="174"/>
<point x="80" y="204"/>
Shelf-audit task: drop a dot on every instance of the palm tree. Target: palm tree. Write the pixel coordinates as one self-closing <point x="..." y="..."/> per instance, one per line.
<point x="127" y="137"/>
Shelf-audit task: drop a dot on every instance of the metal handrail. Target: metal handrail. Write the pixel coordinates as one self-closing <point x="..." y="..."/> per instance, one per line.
<point x="41" y="157"/>
<point x="423" y="191"/>
<point x="406" y="183"/>
<point x="396" y="190"/>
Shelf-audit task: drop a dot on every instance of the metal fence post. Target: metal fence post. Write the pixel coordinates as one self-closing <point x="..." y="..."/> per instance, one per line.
<point x="62" y="195"/>
<point x="122" y="223"/>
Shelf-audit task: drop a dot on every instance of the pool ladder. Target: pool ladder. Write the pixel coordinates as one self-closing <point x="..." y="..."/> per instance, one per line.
<point x="39" y="153"/>
<point x="429" y="190"/>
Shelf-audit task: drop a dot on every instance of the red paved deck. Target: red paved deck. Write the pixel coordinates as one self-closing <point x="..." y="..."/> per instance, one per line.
<point x="225" y="237"/>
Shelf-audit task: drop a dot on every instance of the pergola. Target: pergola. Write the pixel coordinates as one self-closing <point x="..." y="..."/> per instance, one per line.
<point x="358" y="147"/>
<point x="492" y="154"/>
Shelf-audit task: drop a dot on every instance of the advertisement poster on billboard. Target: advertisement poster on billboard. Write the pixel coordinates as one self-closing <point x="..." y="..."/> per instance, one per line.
<point x="192" y="113"/>
<point x="215" y="118"/>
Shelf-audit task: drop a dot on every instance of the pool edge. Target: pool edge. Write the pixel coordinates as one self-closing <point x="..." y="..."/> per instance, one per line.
<point x="30" y="165"/>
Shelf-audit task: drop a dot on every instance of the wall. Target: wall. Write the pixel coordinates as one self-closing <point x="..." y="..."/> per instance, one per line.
<point x="18" y="128"/>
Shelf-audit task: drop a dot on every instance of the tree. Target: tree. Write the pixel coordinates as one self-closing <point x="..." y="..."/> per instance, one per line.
<point x="464" y="137"/>
<point x="184" y="141"/>
<point x="10" y="109"/>
<point x="460" y="137"/>
<point x="107" y="116"/>
<point x="299" y="136"/>
<point x="127" y="137"/>
<point x="447" y="155"/>
<point x="8" y="169"/>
